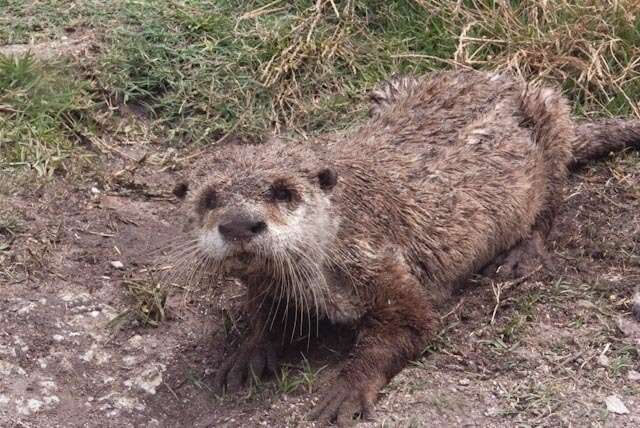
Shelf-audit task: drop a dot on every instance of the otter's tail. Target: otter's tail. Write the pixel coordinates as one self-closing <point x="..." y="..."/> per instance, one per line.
<point x="596" y="139"/>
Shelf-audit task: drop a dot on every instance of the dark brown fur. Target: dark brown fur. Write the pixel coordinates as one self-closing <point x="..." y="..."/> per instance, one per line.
<point x="451" y="171"/>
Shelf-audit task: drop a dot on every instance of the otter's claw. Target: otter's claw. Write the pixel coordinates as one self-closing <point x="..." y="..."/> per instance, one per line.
<point x="249" y="362"/>
<point x="343" y="403"/>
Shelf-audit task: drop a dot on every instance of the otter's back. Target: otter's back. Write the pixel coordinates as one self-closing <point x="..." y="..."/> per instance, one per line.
<point x="463" y="161"/>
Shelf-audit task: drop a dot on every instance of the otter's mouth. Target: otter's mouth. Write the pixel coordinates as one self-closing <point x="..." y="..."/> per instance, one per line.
<point x="240" y="262"/>
<point x="244" y="257"/>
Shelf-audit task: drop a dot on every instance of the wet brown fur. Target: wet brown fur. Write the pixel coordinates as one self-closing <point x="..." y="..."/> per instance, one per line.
<point x="451" y="171"/>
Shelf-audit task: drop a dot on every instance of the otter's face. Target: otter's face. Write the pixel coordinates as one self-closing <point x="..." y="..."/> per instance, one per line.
<point x="248" y="218"/>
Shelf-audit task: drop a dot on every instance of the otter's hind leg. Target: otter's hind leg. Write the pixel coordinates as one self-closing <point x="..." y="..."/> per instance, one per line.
<point x="524" y="258"/>
<point x="547" y="114"/>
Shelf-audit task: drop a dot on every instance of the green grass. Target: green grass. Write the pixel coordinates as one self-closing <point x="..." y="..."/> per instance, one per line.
<point x="287" y="382"/>
<point x="205" y="69"/>
<point x="39" y="106"/>
<point x="291" y="378"/>
<point x="533" y="401"/>
<point x="209" y="68"/>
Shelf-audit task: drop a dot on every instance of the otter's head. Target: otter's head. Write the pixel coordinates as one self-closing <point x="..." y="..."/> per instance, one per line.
<point x="265" y="207"/>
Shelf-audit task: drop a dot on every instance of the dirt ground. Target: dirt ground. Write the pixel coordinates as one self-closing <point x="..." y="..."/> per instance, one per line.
<point x="548" y="351"/>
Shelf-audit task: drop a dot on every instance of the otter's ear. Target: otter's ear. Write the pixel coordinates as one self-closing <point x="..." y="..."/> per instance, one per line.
<point x="327" y="178"/>
<point x="181" y="189"/>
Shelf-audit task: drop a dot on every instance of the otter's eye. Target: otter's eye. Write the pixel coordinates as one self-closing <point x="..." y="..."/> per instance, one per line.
<point x="208" y="200"/>
<point x="280" y="192"/>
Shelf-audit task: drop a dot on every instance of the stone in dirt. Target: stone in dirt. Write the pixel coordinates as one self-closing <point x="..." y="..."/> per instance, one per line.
<point x="603" y="360"/>
<point x="630" y="328"/>
<point x="633" y="375"/>
<point x="148" y="380"/>
<point x="117" y="264"/>
<point x="615" y="405"/>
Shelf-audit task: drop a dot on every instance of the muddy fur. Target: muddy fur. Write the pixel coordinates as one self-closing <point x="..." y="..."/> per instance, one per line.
<point x="375" y="227"/>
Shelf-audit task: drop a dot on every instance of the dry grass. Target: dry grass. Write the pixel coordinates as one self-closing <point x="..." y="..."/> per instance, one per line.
<point x="304" y="66"/>
<point x="147" y="306"/>
<point x="590" y="48"/>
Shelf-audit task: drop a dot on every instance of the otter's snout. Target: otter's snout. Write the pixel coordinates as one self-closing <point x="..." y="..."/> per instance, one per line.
<point x="241" y="229"/>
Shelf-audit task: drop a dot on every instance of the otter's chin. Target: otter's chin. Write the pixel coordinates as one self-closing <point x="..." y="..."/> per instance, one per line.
<point x="239" y="263"/>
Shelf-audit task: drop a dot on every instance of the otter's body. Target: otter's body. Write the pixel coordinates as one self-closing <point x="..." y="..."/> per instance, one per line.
<point x="376" y="226"/>
<point x="446" y="181"/>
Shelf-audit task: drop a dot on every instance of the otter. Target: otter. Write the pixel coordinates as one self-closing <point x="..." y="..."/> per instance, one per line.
<point x="375" y="227"/>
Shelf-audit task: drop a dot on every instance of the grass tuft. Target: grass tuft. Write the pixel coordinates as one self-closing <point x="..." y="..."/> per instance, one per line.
<point x="40" y="104"/>
<point x="148" y="305"/>
<point x="291" y="378"/>
<point x="287" y="382"/>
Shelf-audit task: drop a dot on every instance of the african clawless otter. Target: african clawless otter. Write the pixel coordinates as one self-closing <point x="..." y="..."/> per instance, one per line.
<point x="376" y="226"/>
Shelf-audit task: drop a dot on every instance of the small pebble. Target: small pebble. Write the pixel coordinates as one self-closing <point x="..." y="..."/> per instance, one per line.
<point x="633" y="375"/>
<point x="603" y="360"/>
<point x="615" y="405"/>
<point x="117" y="264"/>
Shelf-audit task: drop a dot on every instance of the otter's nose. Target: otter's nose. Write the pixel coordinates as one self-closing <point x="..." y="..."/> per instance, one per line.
<point x="241" y="229"/>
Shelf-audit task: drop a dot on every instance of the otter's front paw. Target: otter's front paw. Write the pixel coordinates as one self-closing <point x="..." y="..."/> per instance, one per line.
<point x="250" y="361"/>
<point x="345" y="403"/>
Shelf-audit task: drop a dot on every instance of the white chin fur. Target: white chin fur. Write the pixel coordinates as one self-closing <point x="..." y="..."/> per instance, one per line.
<point x="212" y="244"/>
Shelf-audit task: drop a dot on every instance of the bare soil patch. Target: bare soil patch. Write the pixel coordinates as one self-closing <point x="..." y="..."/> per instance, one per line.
<point x="74" y="44"/>
<point x="552" y="356"/>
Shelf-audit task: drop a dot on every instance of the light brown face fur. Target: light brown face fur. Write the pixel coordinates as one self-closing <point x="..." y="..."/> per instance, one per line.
<point x="265" y="211"/>
<point x="376" y="226"/>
